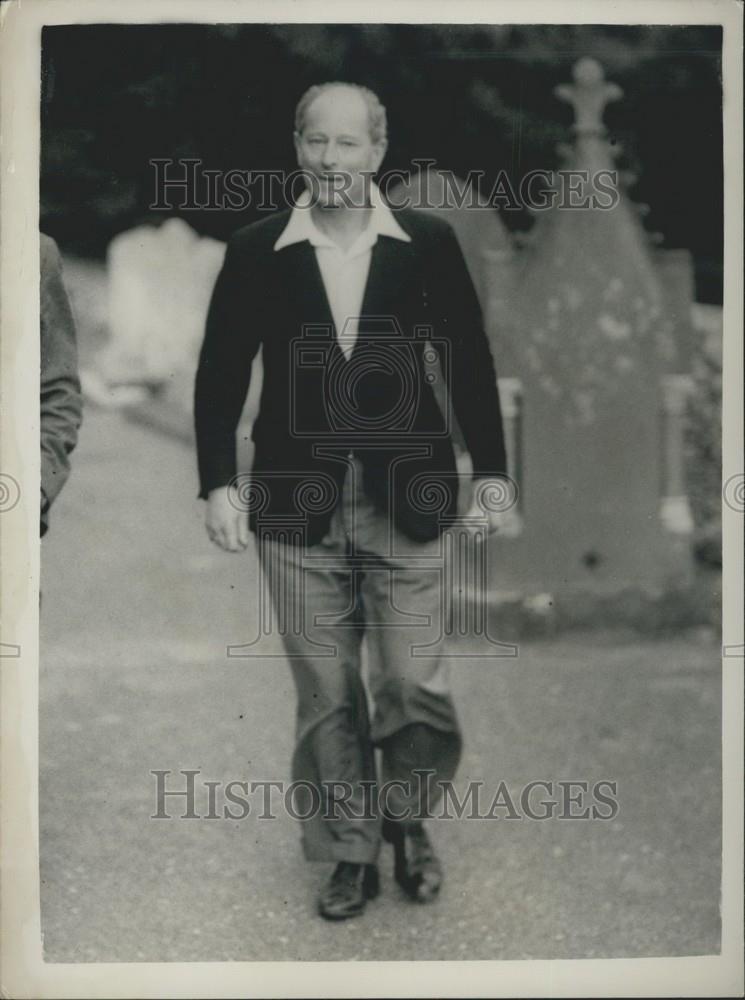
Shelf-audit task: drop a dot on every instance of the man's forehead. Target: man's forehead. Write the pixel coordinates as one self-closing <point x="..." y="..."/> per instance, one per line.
<point x="338" y="106"/>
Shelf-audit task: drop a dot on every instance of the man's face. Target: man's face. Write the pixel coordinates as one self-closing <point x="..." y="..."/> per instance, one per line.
<point x="336" y="140"/>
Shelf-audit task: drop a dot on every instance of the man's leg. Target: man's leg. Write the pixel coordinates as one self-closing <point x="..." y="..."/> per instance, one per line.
<point x="316" y="610"/>
<point x="415" y="722"/>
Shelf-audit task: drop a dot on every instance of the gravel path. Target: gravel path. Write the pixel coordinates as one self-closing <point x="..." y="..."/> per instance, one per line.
<point x="138" y="609"/>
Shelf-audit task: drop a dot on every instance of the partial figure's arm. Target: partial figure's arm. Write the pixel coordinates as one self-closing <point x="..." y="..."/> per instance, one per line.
<point x="61" y="405"/>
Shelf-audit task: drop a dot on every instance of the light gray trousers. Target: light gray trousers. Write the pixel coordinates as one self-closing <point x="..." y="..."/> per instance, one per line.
<point x="363" y="582"/>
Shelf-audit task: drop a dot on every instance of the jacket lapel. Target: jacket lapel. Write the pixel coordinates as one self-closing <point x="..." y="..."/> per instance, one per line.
<point x="302" y="284"/>
<point x="393" y="272"/>
<point x="390" y="281"/>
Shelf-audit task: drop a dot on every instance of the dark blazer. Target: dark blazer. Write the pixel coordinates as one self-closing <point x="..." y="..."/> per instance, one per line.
<point x="316" y="407"/>
<point x="60" y="397"/>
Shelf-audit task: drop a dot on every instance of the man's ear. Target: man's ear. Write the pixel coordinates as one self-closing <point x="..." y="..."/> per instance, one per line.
<point x="296" y="139"/>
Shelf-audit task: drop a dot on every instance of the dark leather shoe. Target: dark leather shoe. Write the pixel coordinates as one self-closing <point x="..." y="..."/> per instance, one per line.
<point x="348" y="890"/>
<point x="416" y="867"/>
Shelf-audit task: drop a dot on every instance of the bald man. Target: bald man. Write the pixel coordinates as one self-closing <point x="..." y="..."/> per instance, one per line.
<point x="351" y="304"/>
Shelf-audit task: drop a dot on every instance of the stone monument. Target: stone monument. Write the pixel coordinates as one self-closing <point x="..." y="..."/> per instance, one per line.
<point x="587" y="337"/>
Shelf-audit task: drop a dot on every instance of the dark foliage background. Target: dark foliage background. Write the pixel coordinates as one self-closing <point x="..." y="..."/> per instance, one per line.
<point x="473" y="97"/>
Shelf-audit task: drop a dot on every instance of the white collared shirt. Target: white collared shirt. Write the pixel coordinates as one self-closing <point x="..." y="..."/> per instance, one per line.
<point x="344" y="272"/>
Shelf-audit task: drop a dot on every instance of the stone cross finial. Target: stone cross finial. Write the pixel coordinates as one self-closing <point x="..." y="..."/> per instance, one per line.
<point x="588" y="95"/>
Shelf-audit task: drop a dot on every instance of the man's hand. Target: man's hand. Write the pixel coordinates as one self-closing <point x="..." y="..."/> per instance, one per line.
<point x="496" y="500"/>
<point x="227" y="525"/>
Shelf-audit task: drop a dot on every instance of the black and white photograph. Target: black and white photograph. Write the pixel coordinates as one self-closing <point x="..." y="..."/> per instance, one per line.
<point x="391" y="495"/>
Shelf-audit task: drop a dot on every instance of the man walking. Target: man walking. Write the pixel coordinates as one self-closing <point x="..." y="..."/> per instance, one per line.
<point x="358" y="312"/>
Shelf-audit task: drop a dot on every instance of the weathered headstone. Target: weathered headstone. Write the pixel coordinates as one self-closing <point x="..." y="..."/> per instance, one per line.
<point x="481" y="233"/>
<point x="482" y="237"/>
<point x="591" y="346"/>
<point x="160" y="282"/>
